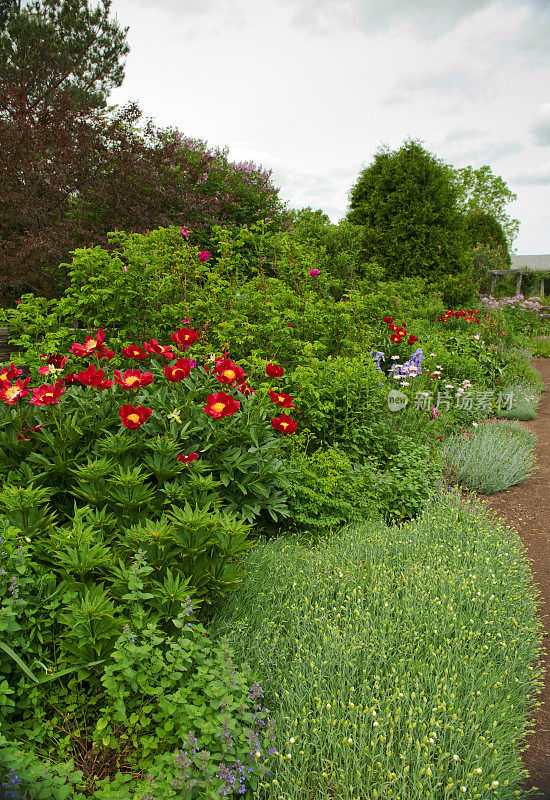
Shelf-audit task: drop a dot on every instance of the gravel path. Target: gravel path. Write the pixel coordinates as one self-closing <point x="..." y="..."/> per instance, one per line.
<point x="527" y="509"/>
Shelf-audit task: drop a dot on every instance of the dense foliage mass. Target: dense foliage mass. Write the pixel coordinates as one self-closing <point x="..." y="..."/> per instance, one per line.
<point x="406" y="203"/>
<point x="72" y="170"/>
<point x="400" y="658"/>
<point x="221" y="417"/>
<point x="217" y="390"/>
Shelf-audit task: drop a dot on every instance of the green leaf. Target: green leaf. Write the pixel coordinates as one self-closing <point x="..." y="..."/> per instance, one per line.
<point x="13" y="654"/>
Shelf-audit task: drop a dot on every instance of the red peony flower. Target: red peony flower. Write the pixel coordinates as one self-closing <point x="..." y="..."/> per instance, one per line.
<point x="226" y="371"/>
<point x="185" y="336"/>
<point x="412" y="339"/>
<point x="94" y="377"/>
<point x="244" y="389"/>
<point x="26" y="430"/>
<point x="395" y="338"/>
<point x="47" y="393"/>
<point x="92" y="345"/>
<point x="133" y="351"/>
<point x="133" y="417"/>
<point x="221" y="405"/>
<point x="274" y="371"/>
<point x="71" y="379"/>
<point x="104" y="353"/>
<point x="284" y="424"/>
<point x="187" y="459"/>
<point x="284" y="400"/>
<point x="132" y="379"/>
<point x="10" y="394"/>
<point x="178" y="371"/>
<point x="152" y="346"/>
<point x="204" y="255"/>
<point x="56" y="360"/>
<point x="10" y="373"/>
<point x="388" y="320"/>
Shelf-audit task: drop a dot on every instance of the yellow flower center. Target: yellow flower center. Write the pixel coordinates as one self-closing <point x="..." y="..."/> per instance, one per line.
<point x="48" y="394"/>
<point x="284" y="425"/>
<point x="133" y="379"/>
<point x="229" y="373"/>
<point x="133" y="417"/>
<point x="218" y="407"/>
<point x="13" y="391"/>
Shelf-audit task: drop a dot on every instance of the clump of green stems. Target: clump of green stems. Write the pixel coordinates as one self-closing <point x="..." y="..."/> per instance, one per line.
<point x="495" y="456"/>
<point x="400" y="661"/>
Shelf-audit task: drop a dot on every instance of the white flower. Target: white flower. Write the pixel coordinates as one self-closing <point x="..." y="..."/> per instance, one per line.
<point x="394" y="357"/>
<point x="292" y="740"/>
<point x="405" y="383"/>
<point x="474" y="424"/>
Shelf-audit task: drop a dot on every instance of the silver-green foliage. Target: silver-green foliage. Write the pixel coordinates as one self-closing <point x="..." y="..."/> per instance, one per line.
<point x="524" y="404"/>
<point x="497" y="455"/>
<point x="400" y="661"/>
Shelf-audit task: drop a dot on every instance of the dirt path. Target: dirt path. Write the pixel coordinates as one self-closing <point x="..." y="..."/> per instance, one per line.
<point x="527" y="509"/>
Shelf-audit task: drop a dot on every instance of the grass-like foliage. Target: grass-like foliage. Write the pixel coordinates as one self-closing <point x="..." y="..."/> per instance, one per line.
<point x="524" y="399"/>
<point x="399" y="661"/>
<point x="496" y="456"/>
<point x="540" y="347"/>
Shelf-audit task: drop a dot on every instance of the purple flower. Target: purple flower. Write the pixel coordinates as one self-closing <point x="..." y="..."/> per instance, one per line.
<point x="204" y="255"/>
<point x="314" y="272"/>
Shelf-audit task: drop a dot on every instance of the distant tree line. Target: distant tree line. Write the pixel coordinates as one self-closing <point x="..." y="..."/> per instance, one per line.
<point x="72" y="169"/>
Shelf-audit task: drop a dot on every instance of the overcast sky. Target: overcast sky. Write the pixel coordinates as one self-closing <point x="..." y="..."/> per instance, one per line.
<point x="311" y="88"/>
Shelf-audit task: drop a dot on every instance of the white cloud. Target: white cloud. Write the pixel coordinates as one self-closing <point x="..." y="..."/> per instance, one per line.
<point x="312" y="88"/>
<point x="538" y="177"/>
<point x="540" y="129"/>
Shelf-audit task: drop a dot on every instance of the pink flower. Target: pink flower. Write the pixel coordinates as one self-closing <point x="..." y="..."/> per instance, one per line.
<point x="125" y="269"/>
<point x="314" y="272"/>
<point x="204" y="255"/>
<point x="184" y="233"/>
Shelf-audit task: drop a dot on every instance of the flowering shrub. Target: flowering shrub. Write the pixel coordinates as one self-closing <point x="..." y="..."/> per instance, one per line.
<point x="87" y="447"/>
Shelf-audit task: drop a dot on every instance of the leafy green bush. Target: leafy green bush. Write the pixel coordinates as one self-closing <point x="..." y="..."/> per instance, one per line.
<point x="337" y="399"/>
<point x="174" y="706"/>
<point x="391" y="656"/>
<point x="327" y="490"/>
<point x="492" y="458"/>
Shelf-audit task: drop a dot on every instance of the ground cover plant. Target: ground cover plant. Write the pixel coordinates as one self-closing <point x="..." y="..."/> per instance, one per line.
<point x="524" y="399"/>
<point x="495" y="456"/>
<point x="400" y="660"/>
